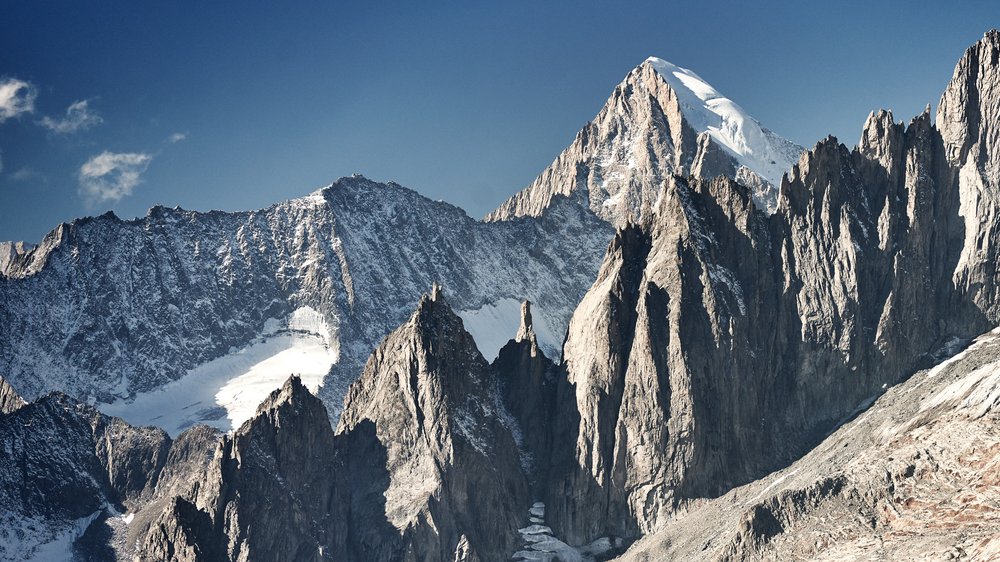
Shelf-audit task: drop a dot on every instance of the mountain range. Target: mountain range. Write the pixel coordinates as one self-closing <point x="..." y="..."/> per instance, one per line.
<point x="688" y="338"/>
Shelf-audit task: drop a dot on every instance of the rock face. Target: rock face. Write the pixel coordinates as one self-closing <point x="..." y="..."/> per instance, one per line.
<point x="269" y="493"/>
<point x="107" y="308"/>
<point x="10" y="400"/>
<point x="662" y="120"/>
<point x="424" y="466"/>
<point x="64" y="465"/>
<point x="912" y="478"/>
<point x="718" y="343"/>
<point x="456" y="484"/>
<point x="528" y="383"/>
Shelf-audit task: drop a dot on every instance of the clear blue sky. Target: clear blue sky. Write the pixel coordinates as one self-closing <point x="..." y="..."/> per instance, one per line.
<point x="461" y="101"/>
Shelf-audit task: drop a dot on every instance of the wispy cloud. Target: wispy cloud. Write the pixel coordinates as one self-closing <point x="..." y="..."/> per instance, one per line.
<point x="17" y="97"/>
<point x="177" y="137"/>
<point x="26" y="174"/>
<point x="110" y="176"/>
<point x="79" y="116"/>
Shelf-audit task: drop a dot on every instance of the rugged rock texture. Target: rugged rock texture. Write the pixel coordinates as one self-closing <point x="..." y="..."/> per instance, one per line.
<point x="528" y="382"/>
<point x="64" y="463"/>
<point x="106" y="308"/>
<point x="10" y="400"/>
<point x="270" y="492"/>
<point x="424" y="466"/>
<point x="652" y="127"/>
<point x="914" y="477"/>
<point x="456" y="484"/>
<point x="10" y="252"/>
<point x="659" y="366"/>
<point x="718" y="342"/>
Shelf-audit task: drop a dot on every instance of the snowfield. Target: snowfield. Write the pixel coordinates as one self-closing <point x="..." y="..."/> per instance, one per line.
<point x="225" y="392"/>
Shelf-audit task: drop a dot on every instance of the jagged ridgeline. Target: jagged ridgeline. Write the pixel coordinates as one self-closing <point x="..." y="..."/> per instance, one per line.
<point x="735" y="321"/>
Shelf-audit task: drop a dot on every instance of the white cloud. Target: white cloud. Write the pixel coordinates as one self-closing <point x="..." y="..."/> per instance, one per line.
<point x="109" y="176"/>
<point x="79" y="116"/>
<point x="177" y="137"/>
<point x="17" y="97"/>
<point x="26" y="174"/>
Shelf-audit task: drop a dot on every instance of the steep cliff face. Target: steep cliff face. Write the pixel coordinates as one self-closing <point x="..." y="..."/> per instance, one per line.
<point x="528" y="383"/>
<point x="456" y="483"/>
<point x="425" y="465"/>
<point x="914" y="477"/>
<point x="270" y="492"/>
<point x="659" y="366"/>
<point x="660" y="121"/>
<point x="718" y="342"/>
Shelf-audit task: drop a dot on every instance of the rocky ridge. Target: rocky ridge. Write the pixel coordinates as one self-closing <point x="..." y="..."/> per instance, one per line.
<point x="106" y="308"/>
<point x="426" y="464"/>
<point x="660" y="121"/>
<point x="874" y="259"/>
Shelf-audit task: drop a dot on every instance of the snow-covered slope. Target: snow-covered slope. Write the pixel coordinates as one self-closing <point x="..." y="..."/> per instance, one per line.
<point x="707" y="111"/>
<point x="106" y="309"/>
<point x="226" y="391"/>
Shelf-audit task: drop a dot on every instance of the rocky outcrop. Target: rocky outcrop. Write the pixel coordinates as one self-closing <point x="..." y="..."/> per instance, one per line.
<point x="658" y="366"/>
<point x="456" y="484"/>
<point x="528" y="382"/>
<point x="270" y="492"/>
<point x="65" y="465"/>
<point x="425" y="465"/>
<point x="10" y="400"/>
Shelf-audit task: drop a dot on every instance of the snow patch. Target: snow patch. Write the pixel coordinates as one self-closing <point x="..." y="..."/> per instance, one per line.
<point x="58" y="548"/>
<point x="540" y="544"/>
<point x="226" y="391"/>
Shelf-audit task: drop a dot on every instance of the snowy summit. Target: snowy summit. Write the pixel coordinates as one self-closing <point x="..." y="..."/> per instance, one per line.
<point x="707" y="111"/>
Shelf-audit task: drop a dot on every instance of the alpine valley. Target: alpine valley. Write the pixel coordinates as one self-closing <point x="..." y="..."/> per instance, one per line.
<point x="687" y="339"/>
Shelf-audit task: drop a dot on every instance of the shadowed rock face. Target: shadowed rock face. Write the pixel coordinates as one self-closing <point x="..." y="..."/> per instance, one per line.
<point x="457" y="488"/>
<point x="424" y="466"/>
<point x="62" y="461"/>
<point x="914" y="477"/>
<point x="718" y="343"/>
<point x="528" y="382"/>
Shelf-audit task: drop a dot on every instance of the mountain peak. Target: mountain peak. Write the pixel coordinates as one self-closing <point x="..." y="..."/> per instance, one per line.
<point x="661" y="120"/>
<point x="708" y="111"/>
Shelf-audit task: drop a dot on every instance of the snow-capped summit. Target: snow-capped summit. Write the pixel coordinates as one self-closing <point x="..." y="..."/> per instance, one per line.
<point x="661" y="120"/>
<point x="708" y="111"/>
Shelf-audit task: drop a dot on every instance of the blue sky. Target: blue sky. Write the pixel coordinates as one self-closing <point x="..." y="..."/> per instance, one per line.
<point x="235" y="106"/>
